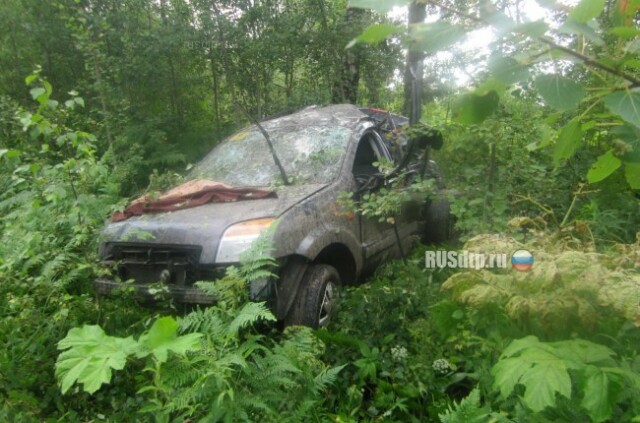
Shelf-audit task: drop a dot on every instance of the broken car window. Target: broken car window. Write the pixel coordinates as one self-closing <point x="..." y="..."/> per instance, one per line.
<point x="309" y="154"/>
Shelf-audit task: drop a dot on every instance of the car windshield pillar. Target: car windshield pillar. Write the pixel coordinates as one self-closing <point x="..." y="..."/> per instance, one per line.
<point x="370" y="150"/>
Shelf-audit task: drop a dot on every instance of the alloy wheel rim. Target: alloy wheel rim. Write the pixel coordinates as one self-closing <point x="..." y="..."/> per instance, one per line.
<point x="326" y="307"/>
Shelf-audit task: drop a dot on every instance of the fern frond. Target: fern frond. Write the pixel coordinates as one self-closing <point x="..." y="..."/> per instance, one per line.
<point x="466" y="411"/>
<point x="325" y="378"/>
<point x="17" y="200"/>
<point x="248" y="315"/>
<point x="257" y="262"/>
<point x="203" y="320"/>
<point x="274" y="365"/>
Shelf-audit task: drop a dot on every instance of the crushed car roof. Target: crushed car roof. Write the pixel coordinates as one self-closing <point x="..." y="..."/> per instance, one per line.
<point x="340" y="114"/>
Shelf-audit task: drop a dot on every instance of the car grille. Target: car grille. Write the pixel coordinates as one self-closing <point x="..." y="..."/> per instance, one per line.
<point x="172" y="264"/>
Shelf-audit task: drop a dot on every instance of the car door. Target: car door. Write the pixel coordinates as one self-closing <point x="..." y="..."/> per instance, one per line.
<point x="378" y="238"/>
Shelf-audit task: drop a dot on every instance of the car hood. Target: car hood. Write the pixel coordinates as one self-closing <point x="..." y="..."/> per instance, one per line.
<point x="204" y="225"/>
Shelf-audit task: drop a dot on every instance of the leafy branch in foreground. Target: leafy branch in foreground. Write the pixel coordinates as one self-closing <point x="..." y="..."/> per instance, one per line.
<point x="600" y="98"/>
<point x="569" y="293"/>
<point x="223" y="372"/>
<point x="90" y="355"/>
<point x="384" y="204"/>
<point x="219" y="368"/>
<point x="547" y="370"/>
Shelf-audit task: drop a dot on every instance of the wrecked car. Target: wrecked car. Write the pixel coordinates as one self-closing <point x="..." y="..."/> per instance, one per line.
<point x="291" y="169"/>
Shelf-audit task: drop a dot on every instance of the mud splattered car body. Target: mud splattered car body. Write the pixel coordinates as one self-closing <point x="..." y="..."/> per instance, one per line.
<point x="316" y="245"/>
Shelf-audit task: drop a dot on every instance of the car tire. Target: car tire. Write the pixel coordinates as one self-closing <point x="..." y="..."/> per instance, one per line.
<point x="315" y="303"/>
<point x="439" y="222"/>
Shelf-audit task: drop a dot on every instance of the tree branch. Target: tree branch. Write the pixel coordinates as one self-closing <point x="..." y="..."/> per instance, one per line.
<point x="590" y="61"/>
<point x="586" y="60"/>
<point x="283" y="173"/>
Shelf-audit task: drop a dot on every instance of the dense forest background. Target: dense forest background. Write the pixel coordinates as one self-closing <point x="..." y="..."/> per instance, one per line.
<point x="159" y="79"/>
<point x="103" y="100"/>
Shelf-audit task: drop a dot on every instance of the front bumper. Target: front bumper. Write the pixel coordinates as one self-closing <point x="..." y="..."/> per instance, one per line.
<point x="182" y="294"/>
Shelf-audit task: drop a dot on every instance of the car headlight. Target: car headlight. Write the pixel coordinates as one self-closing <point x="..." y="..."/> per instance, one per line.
<point x="238" y="238"/>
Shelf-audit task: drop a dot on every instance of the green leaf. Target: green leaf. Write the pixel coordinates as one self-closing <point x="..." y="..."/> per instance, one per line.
<point x="499" y="20"/>
<point x="625" y="32"/>
<point x="568" y="141"/>
<point x="9" y="154"/>
<point x="542" y="368"/>
<point x="507" y="373"/>
<point x="490" y="85"/>
<point x="533" y="29"/>
<point x="29" y="79"/>
<point x="325" y="378"/>
<point x="37" y="92"/>
<point x="632" y="47"/>
<point x="379" y="5"/>
<point x="435" y="36"/>
<point x="630" y="135"/>
<point x="468" y="410"/>
<point x="90" y="357"/>
<point x="603" y="167"/>
<point x="588" y="125"/>
<point x="586" y="30"/>
<point x="559" y="92"/>
<point x="632" y="174"/>
<point x="375" y="33"/>
<point x="583" y="351"/>
<point x="632" y="63"/>
<point x="625" y="104"/>
<point x="163" y="337"/>
<point x="508" y="70"/>
<point x="542" y="381"/>
<point x="473" y="109"/>
<point x="249" y="314"/>
<point x="587" y="10"/>
<point x="519" y="345"/>
<point x="48" y="87"/>
<point x="535" y="365"/>
<point x="601" y="391"/>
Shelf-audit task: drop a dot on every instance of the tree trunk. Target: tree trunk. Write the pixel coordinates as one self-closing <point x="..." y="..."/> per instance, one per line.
<point x="289" y="77"/>
<point x="413" y="73"/>
<point x="216" y="91"/>
<point x="258" y="97"/>
<point x="491" y="178"/>
<point x="101" y="95"/>
<point x="226" y="62"/>
<point x="175" y="95"/>
<point x="346" y="87"/>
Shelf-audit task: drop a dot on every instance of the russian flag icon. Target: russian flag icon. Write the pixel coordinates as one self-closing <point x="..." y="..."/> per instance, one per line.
<point x="522" y="260"/>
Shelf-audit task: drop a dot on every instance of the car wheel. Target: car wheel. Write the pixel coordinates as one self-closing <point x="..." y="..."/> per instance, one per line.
<point x="315" y="303"/>
<point x="439" y="222"/>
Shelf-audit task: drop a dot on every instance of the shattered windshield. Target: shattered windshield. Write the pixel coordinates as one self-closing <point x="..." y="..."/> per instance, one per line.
<point x="309" y="154"/>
